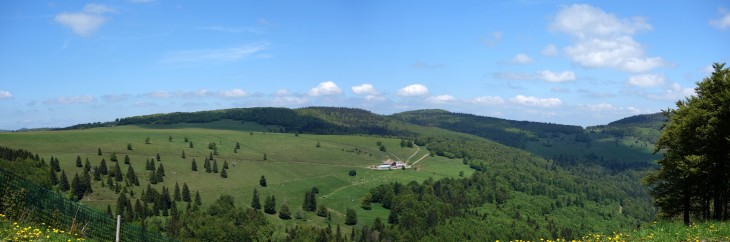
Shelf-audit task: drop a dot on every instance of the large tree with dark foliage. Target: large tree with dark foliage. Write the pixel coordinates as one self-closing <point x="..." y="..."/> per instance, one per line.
<point x="693" y="177"/>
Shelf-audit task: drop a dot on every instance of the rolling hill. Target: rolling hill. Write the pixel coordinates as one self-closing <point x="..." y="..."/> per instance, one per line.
<point x="525" y="189"/>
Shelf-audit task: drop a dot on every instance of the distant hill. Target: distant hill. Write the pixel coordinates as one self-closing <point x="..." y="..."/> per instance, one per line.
<point x="619" y="145"/>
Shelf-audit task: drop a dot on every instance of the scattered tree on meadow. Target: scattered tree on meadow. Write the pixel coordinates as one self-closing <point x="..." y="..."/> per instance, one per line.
<point x="77" y="191"/>
<point x="147" y="140"/>
<point x="126" y="160"/>
<point x="265" y="156"/>
<point x="255" y="204"/>
<point x="129" y="146"/>
<point x="351" y="217"/>
<point x="310" y="201"/>
<point x="367" y="201"/>
<point x="87" y="165"/>
<point x="99" y="151"/>
<point x="113" y="157"/>
<point x="169" y="138"/>
<point x="102" y="167"/>
<point x="198" y="201"/>
<point x="270" y="205"/>
<point x="78" y="162"/>
<point x="186" y="193"/>
<point x="318" y="145"/>
<point x="158" y="157"/>
<point x="224" y="174"/>
<point x="176" y="193"/>
<point x="183" y="154"/>
<point x="284" y="212"/>
<point x="262" y="181"/>
<point x="194" y="166"/>
<point x="132" y="176"/>
<point x="378" y="224"/>
<point x="215" y="166"/>
<point x="161" y="170"/>
<point x="191" y="144"/>
<point x="322" y="211"/>
<point x="52" y="177"/>
<point x="352" y="173"/>
<point x="225" y="164"/>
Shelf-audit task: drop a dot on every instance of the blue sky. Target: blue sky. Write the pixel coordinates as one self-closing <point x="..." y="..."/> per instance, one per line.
<point x="583" y="63"/>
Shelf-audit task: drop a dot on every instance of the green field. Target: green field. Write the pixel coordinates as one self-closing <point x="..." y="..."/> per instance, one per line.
<point x="293" y="166"/>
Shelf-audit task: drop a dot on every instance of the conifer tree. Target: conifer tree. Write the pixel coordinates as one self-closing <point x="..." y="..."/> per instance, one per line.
<point x="102" y="167"/>
<point x="52" y="177"/>
<point x="158" y="157"/>
<point x="87" y="165"/>
<point x="78" y="161"/>
<point x="284" y="212"/>
<point x="126" y="159"/>
<point x="177" y="194"/>
<point x="224" y="174"/>
<point x="63" y="182"/>
<point x="225" y="164"/>
<point x="270" y="205"/>
<point x="186" y="193"/>
<point x="129" y="146"/>
<point x="153" y="176"/>
<point x="160" y="174"/>
<point x="132" y="177"/>
<point x="77" y="190"/>
<point x="215" y="166"/>
<point x="118" y="176"/>
<point x="238" y="145"/>
<point x="262" y="181"/>
<point x="183" y="154"/>
<point x="351" y="217"/>
<point x="198" y="201"/>
<point x="191" y="144"/>
<point x="194" y="166"/>
<point x="109" y="210"/>
<point x="86" y="182"/>
<point x="322" y="211"/>
<point x="99" y="151"/>
<point x="255" y="204"/>
<point x="161" y="169"/>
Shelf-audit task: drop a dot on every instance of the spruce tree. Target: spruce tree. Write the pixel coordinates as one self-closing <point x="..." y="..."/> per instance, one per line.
<point x="284" y="212"/>
<point x="351" y="217"/>
<point x="158" y="157"/>
<point x="129" y="146"/>
<point x="102" y="167"/>
<point x="109" y="210"/>
<point x="215" y="166"/>
<point x="177" y="195"/>
<point x="262" y="181"/>
<point x="160" y="174"/>
<point x="255" y="204"/>
<point x="78" y="161"/>
<point x="186" y="193"/>
<point x="224" y="174"/>
<point x="153" y="176"/>
<point x="126" y="159"/>
<point x="118" y="176"/>
<point x="52" y="177"/>
<point x="132" y="177"/>
<point x="161" y="170"/>
<point x="183" y="154"/>
<point x="77" y="190"/>
<point x="86" y="182"/>
<point x="191" y="144"/>
<point x="87" y="165"/>
<point x="99" y="151"/>
<point x="194" y="166"/>
<point x="225" y="164"/>
<point x="198" y="201"/>
<point x="63" y="182"/>
<point x="270" y="205"/>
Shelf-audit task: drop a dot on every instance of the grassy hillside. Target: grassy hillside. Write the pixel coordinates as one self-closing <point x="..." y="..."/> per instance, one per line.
<point x="294" y="165"/>
<point x="619" y="145"/>
<point x="523" y="194"/>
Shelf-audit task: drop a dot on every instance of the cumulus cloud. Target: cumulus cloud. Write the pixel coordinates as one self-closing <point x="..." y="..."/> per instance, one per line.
<point x="646" y="80"/>
<point x="233" y="93"/>
<point x="440" y="99"/>
<point x="487" y="100"/>
<point x="414" y="90"/>
<point x="724" y="21"/>
<point x="365" y="89"/>
<point x="5" y="95"/>
<point x="536" y="101"/>
<point x="327" y="88"/>
<point x="673" y="92"/>
<point x="522" y="59"/>
<point x="549" y="50"/>
<point x="550" y="76"/>
<point x="87" y="21"/>
<point x="601" y="39"/>
<point x="72" y="100"/>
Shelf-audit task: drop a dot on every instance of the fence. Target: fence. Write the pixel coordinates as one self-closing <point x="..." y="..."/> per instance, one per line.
<point x="42" y="205"/>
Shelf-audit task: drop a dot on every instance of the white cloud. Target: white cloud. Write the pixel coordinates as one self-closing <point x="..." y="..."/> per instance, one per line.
<point x="674" y="92"/>
<point x="550" y="76"/>
<point x="597" y="107"/>
<point x="115" y="98"/>
<point x="198" y="93"/>
<point x="646" y="80"/>
<point x="87" y="21"/>
<point x="549" y="50"/>
<point x="522" y="59"/>
<point x="214" y="55"/>
<point x="536" y="102"/>
<point x="327" y="88"/>
<point x="724" y="21"/>
<point x="559" y="90"/>
<point x="603" y="40"/>
<point x="159" y="94"/>
<point x="71" y="100"/>
<point x="441" y="99"/>
<point x="5" y="95"/>
<point x="289" y="100"/>
<point x="493" y="40"/>
<point x="633" y="110"/>
<point x="365" y="89"/>
<point x="414" y="90"/>
<point x="282" y="92"/>
<point x="544" y="75"/>
<point x="233" y="93"/>
<point x="488" y="100"/>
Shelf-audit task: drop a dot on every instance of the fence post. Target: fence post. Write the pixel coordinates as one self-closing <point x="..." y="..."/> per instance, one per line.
<point x="119" y="226"/>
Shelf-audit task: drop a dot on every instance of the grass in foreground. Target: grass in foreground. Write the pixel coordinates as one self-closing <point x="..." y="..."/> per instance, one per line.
<point x="666" y="231"/>
<point x="26" y="231"/>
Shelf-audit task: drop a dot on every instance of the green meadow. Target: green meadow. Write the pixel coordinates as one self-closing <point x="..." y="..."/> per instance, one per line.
<point x="294" y="164"/>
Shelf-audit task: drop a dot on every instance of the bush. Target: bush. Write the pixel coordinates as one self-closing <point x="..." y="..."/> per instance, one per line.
<point x="352" y="173"/>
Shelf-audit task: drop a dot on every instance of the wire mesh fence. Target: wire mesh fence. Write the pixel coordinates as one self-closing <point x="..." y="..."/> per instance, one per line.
<point x="25" y="199"/>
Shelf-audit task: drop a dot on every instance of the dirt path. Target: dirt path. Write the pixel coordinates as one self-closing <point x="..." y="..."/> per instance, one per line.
<point x="414" y="153"/>
<point x="424" y="156"/>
